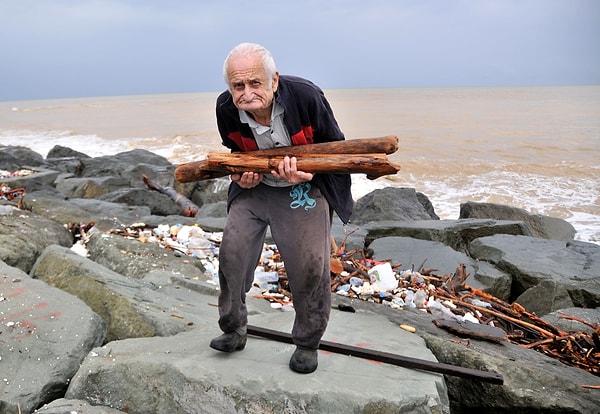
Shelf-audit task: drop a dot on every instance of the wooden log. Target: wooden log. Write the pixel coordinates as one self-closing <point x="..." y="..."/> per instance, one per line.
<point x="198" y="170"/>
<point x="374" y="165"/>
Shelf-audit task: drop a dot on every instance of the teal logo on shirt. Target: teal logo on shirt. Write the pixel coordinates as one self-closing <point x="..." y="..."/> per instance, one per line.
<point x="301" y="198"/>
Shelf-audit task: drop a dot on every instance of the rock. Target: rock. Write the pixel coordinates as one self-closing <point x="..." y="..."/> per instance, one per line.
<point x="390" y="203"/>
<point x="573" y="266"/>
<point x="132" y="308"/>
<point x="130" y="165"/>
<point x="561" y="319"/>
<point x="212" y="216"/>
<point x="457" y="234"/>
<point x="24" y="235"/>
<point x="64" y="406"/>
<point x="45" y="335"/>
<point x="90" y="187"/>
<point x="42" y="179"/>
<point x="16" y="157"/>
<point x="109" y="215"/>
<point x="158" y="203"/>
<point x="58" y="151"/>
<point x="541" y="226"/>
<point x="541" y="382"/>
<point x="181" y="374"/>
<point x="205" y="192"/>
<point x="545" y="297"/>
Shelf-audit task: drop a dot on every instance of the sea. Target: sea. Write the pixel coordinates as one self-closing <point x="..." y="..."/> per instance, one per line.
<point x="536" y="148"/>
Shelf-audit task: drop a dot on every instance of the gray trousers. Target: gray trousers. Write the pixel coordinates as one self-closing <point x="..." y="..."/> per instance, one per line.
<point x="300" y="221"/>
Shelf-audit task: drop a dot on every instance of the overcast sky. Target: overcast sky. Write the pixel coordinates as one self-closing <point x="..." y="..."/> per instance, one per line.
<point x="77" y="48"/>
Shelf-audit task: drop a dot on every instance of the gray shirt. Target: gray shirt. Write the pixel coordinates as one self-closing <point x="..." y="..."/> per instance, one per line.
<point x="275" y="135"/>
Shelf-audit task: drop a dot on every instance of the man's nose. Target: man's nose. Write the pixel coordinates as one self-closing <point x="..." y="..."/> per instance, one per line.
<point x="247" y="90"/>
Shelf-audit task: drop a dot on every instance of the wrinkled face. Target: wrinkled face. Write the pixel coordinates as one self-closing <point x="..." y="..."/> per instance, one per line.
<point x="250" y="86"/>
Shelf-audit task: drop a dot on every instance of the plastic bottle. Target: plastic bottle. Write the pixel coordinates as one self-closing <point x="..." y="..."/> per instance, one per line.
<point x="419" y="299"/>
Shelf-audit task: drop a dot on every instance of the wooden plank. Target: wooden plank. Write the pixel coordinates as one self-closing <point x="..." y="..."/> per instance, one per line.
<point x="386" y="357"/>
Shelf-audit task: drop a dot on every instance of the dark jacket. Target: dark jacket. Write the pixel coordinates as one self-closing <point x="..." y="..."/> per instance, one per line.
<point x="308" y="118"/>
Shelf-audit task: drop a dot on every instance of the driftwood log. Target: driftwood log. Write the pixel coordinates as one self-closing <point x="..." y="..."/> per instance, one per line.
<point x="204" y="170"/>
<point x="374" y="165"/>
<point x="187" y="206"/>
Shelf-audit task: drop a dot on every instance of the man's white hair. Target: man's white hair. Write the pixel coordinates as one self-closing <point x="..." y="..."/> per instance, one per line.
<point x="251" y="49"/>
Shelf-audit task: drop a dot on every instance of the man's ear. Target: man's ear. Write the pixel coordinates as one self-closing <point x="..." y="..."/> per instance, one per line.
<point x="275" y="83"/>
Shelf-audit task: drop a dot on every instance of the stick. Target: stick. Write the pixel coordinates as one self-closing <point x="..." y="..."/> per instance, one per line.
<point x="198" y="170"/>
<point x="394" y="359"/>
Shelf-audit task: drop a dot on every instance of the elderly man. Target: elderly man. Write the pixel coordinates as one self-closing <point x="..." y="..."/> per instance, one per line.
<point x="262" y="109"/>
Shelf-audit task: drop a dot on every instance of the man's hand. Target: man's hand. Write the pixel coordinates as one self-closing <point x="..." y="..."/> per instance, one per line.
<point x="247" y="179"/>
<point x="288" y="171"/>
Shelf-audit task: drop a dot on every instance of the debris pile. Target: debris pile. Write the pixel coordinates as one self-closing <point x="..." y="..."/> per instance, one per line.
<point x="18" y="173"/>
<point x="465" y="311"/>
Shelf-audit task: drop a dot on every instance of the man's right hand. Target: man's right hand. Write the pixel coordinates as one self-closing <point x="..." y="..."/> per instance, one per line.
<point x="247" y="179"/>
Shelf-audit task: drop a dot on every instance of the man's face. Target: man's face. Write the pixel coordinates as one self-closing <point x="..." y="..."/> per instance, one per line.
<point x="249" y="85"/>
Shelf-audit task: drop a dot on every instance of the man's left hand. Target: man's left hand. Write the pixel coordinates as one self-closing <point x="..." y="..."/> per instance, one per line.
<point x="288" y="171"/>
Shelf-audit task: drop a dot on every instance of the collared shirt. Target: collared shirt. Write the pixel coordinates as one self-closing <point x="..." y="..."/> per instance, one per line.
<point x="275" y="135"/>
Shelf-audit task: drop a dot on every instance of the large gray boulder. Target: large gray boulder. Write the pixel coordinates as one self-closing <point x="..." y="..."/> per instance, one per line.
<point x="574" y="320"/>
<point x="131" y="308"/>
<point x="181" y="374"/>
<point x="545" y="227"/>
<point x="392" y="203"/>
<point x="45" y="335"/>
<point x="89" y="187"/>
<point x="15" y="157"/>
<point x="457" y="234"/>
<point x="65" y="406"/>
<point x="130" y="165"/>
<point x="159" y="204"/>
<point x="566" y="273"/>
<point x="24" y="235"/>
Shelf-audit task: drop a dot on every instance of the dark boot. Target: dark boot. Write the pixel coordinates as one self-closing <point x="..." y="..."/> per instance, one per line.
<point x="229" y="342"/>
<point x="304" y="361"/>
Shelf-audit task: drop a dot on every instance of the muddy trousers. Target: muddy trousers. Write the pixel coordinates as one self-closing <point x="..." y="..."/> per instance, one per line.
<point x="299" y="218"/>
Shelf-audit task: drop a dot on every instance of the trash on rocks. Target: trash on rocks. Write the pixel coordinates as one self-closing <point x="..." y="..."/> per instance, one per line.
<point x="18" y="173"/>
<point x="9" y="194"/>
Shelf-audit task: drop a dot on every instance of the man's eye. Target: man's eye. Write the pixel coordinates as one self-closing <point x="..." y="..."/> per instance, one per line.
<point x="255" y="83"/>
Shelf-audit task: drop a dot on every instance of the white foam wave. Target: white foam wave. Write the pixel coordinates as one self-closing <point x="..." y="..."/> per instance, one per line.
<point x="43" y="141"/>
<point x="575" y="200"/>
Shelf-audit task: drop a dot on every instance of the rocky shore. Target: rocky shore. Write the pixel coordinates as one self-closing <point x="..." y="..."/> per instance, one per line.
<point x="95" y="321"/>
